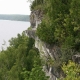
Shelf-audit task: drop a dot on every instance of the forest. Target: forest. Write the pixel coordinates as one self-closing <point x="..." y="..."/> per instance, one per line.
<point x="14" y="17"/>
<point x="59" y="26"/>
<point x="21" y="60"/>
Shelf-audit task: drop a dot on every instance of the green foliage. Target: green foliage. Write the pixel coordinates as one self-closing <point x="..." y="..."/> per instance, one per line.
<point x="60" y="24"/>
<point x="20" y="55"/>
<point x="36" y="4"/>
<point x="45" y="33"/>
<point x="35" y="74"/>
<point x="72" y="71"/>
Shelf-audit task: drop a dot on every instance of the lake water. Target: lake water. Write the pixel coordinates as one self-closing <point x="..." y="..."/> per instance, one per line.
<point x="9" y="29"/>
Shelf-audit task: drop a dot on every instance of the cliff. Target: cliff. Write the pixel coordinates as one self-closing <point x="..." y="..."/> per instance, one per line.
<point x="47" y="52"/>
<point x="50" y="53"/>
<point x="57" y="38"/>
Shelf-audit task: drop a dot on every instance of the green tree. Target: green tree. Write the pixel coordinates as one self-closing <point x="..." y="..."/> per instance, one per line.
<point x="36" y="72"/>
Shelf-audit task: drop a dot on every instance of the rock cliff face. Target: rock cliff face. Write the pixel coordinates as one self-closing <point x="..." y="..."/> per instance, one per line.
<point x="47" y="51"/>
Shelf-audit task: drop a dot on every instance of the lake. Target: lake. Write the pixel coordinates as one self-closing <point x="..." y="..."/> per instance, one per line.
<point x="9" y="29"/>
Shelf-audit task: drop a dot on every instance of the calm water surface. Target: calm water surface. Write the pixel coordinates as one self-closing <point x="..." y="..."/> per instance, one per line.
<point x="9" y="29"/>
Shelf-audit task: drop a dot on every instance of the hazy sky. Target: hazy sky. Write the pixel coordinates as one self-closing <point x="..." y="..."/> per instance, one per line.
<point x="14" y="7"/>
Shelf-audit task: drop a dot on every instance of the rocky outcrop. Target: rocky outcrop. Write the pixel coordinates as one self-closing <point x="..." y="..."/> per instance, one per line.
<point x="35" y="18"/>
<point x="76" y="58"/>
<point x="31" y="33"/>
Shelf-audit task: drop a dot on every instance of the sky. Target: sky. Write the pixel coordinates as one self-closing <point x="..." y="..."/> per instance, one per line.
<point x="14" y="7"/>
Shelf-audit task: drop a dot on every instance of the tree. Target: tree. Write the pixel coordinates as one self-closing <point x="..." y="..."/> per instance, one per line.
<point x="36" y="72"/>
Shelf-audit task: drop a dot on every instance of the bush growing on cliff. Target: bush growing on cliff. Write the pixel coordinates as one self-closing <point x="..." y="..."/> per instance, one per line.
<point x="45" y="33"/>
<point x="72" y="71"/>
<point x="60" y="24"/>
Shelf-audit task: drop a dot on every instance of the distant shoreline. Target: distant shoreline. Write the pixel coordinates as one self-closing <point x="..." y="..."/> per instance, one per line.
<point x="15" y="17"/>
